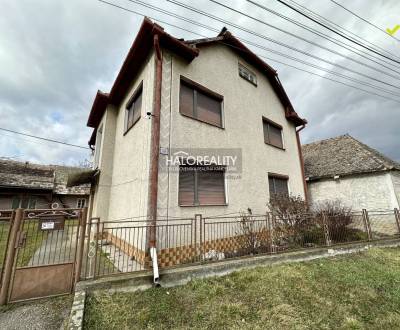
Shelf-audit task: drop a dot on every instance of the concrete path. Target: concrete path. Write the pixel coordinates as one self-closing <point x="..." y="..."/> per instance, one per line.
<point x="120" y="259"/>
<point x="58" y="247"/>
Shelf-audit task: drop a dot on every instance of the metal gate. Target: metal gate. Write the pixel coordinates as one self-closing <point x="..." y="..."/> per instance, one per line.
<point x="5" y="226"/>
<point x="43" y="250"/>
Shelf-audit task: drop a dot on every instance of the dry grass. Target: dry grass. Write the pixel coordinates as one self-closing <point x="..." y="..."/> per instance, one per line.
<point x="360" y="291"/>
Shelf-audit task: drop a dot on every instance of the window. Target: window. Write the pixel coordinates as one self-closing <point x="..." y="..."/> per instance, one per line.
<point x="15" y="202"/>
<point x="97" y="149"/>
<point x="272" y="133"/>
<point x="200" y="103"/>
<point x="25" y="203"/>
<point x="245" y="73"/>
<point x="201" y="185"/>
<point x="80" y="203"/>
<point x="133" y="108"/>
<point x="278" y="185"/>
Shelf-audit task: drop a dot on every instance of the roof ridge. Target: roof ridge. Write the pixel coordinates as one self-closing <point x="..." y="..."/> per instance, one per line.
<point x="378" y="156"/>
<point x="328" y="139"/>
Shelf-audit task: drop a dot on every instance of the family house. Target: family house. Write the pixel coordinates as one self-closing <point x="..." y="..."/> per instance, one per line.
<point x="210" y="103"/>
<point x="35" y="186"/>
<point x="343" y="168"/>
<point x="201" y="96"/>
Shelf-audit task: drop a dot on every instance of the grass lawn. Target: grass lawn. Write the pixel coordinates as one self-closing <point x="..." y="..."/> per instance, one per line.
<point x="359" y="291"/>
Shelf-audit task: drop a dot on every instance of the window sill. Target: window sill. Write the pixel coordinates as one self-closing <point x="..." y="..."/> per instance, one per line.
<point x="273" y="145"/>
<point x="134" y="123"/>
<point x="201" y="121"/>
<point x="201" y="205"/>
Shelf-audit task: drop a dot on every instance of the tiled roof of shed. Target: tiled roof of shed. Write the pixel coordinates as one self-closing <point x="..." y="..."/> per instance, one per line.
<point x="14" y="174"/>
<point x="343" y="155"/>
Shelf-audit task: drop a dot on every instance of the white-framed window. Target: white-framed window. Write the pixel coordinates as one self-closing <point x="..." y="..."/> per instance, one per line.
<point x="247" y="74"/>
<point x="80" y="203"/>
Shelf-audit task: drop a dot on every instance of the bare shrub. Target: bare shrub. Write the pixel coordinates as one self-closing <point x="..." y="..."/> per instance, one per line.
<point x="338" y="219"/>
<point x="293" y="221"/>
<point x="253" y="236"/>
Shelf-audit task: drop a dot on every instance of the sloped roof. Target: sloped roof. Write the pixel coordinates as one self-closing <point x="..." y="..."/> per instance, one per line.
<point x="52" y="178"/>
<point x="142" y="46"/>
<point x="343" y="155"/>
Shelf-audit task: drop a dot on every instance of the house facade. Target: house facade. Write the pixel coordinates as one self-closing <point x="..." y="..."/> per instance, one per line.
<point x="343" y="168"/>
<point x="35" y="186"/>
<point x="213" y="96"/>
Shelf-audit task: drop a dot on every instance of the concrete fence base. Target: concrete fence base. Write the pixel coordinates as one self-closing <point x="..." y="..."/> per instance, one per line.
<point x="180" y="275"/>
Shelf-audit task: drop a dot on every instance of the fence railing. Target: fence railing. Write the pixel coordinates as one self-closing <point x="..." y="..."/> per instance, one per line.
<point x="122" y="246"/>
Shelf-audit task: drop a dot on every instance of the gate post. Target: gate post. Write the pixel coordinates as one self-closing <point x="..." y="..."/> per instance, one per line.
<point x="397" y="217"/>
<point x="81" y="243"/>
<point x="366" y="223"/>
<point x="11" y="248"/>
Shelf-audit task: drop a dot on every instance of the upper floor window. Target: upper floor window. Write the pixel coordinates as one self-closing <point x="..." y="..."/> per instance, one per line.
<point x="278" y="185"/>
<point x="200" y="103"/>
<point x="201" y="185"/>
<point x="133" y="108"/>
<point x="272" y="133"/>
<point x="247" y="74"/>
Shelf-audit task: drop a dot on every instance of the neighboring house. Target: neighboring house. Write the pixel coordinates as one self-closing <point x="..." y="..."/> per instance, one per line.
<point x="190" y="97"/>
<point x="34" y="186"/>
<point x="343" y="168"/>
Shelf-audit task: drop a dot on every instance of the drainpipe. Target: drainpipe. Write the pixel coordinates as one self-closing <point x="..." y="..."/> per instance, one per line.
<point x="301" y="160"/>
<point x="154" y="158"/>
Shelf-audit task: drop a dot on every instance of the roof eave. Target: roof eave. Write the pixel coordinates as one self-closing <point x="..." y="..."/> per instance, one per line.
<point x="139" y="51"/>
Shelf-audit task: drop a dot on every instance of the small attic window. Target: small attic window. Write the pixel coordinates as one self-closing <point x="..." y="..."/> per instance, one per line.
<point x="247" y="74"/>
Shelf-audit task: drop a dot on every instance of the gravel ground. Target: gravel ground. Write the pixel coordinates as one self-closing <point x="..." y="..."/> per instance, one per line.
<point x="46" y="314"/>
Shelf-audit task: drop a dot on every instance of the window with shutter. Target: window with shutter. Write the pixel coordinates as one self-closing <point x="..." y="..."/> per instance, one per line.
<point x="201" y="185"/>
<point x="200" y="103"/>
<point x="133" y="108"/>
<point x="278" y="185"/>
<point x="272" y="133"/>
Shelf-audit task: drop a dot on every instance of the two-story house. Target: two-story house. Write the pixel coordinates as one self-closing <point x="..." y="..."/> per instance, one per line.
<point x="208" y="96"/>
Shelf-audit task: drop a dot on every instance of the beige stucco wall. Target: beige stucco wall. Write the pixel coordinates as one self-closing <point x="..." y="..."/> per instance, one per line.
<point x="122" y="191"/>
<point x="244" y="106"/>
<point x="101" y="201"/>
<point x="369" y="191"/>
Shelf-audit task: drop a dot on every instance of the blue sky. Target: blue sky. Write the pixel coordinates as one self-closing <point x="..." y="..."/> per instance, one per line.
<point x="55" y="55"/>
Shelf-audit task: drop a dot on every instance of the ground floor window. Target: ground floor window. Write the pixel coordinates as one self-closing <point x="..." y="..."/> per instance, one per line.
<point x="201" y="185"/>
<point x="81" y="203"/>
<point x="23" y="202"/>
<point x="278" y="185"/>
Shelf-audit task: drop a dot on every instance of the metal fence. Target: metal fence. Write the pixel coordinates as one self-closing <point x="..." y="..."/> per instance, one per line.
<point x="122" y="246"/>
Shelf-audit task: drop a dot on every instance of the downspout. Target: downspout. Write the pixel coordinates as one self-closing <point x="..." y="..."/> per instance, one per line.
<point x="301" y="160"/>
<point x="154" y="158"/>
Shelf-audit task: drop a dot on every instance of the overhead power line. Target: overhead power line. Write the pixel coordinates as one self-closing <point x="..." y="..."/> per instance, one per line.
<point x="201" y="35"/>
<point x="334" y="31"/>
<point x="198" y="11"/>
<point x="42" y="138"/>
<point x="236" y="26"/>
<point x="363" y="19"/>
<point x="343" y="29"/>
<point x="371" y="57"/>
